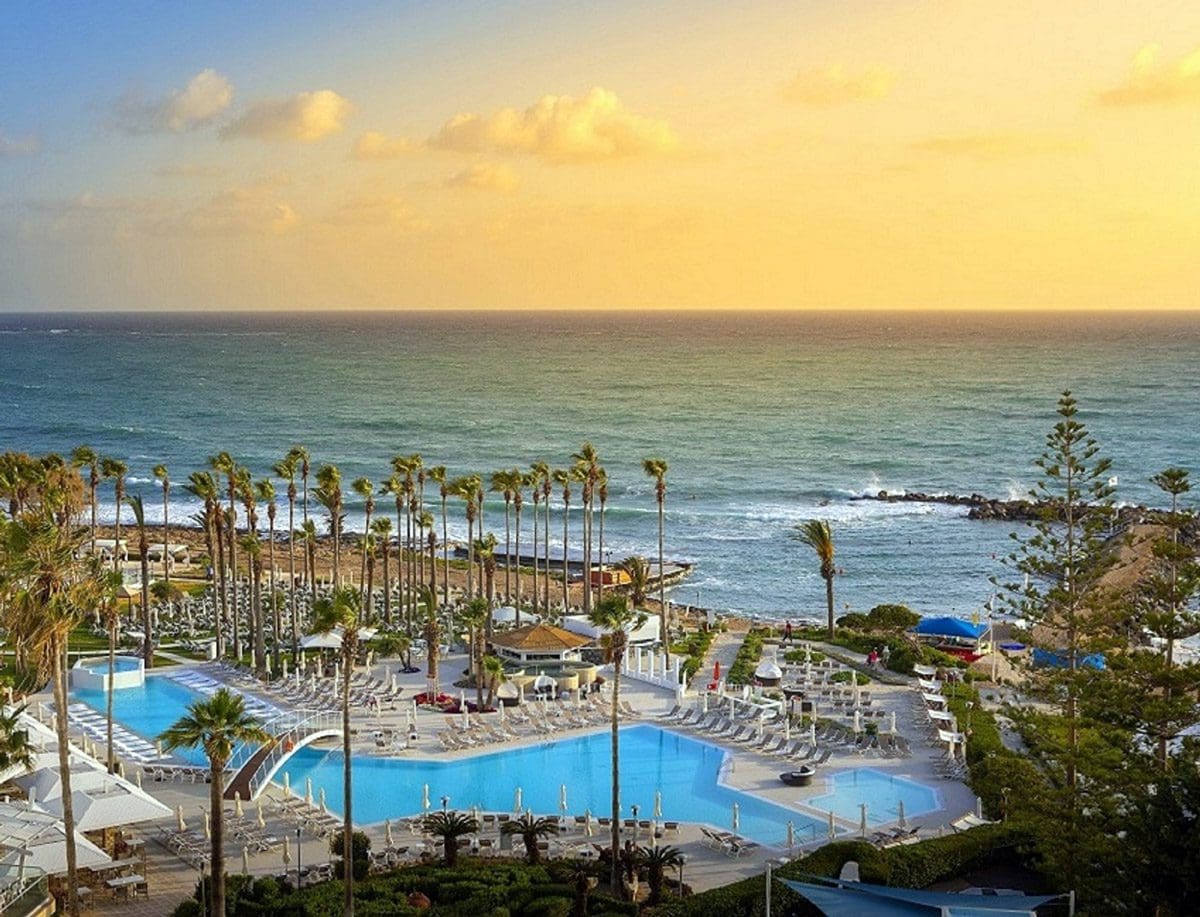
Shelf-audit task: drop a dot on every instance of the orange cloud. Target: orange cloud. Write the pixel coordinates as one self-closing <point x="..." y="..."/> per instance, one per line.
<point x="485" y="176"/>
<point x="1153" y="83"/>
<point x="205" y="97"/>
<point x="305" y="117"/>
<point x="835" y="85"/>
<point x="374" y="145"/>
<point x="561" y="129"/>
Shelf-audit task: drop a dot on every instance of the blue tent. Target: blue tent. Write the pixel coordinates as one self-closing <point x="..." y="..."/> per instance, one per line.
<point x="949" y="627"/>
<point x="843" y="898"/>
<point x="1060" y="660"/>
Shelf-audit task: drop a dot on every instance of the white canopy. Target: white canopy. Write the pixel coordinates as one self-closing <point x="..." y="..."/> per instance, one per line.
<point x="579" y="624"/>
<point x="333" y="639"/>
<point x="37" y="839"/>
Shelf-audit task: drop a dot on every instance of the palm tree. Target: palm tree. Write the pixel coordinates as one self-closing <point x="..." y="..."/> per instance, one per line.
<point x="425" y="521"/>
<point x="15" y="748"/>
<point x="519" y="481"/>
<point x="657" y="469"/>
<point x="450" y="826"/>
<point x="532" y="829"/>
<point x="202" y="485"/>
<point x="485" y="550"/>
<point x="538" y="472"/>
<point x="547" y="490"/>
<point x="563" y="479"/>
<point x="86" y="457"/>
<point x="300" y="458"/>
<point x="493" y="670"/>
<point x="46" y="592"/>
<point x="394" y="487"/>
<point x="602" y="490"/>
<point x="438" y="474"/>
<point x="366" y="545"/>
<point x="381" y="528"/>
<point x="587" y="463"/>
<point x="139" y="517"/>
<point x="341" y="612"/>
<point x="616" y="619"/>
<point x="116" y="469"/>
<point x="464" y="488"/>
<point x="817" y="535"/>
<point x="433" y="640"/>
<point x="286" y="470"/>
<point x="502" y="483"/>
<point x="365" y="489"/>
<point x="475" y="616"/>
<point x="216" y="724"/>
<point x="161" y="475"/>
<point x="265" y="491"/>
<point x="329" y="495"/>
<point x="657" y="861"/>
<point x="638" y="570"/>
<point x="254" y="569"/>
<point x="310" y="537"/>
<point x="110" y="616"/>
<point x="223" y="463"/>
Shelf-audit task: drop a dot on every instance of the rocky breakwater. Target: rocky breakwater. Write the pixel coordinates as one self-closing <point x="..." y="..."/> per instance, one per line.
<point x="994" y="510"/>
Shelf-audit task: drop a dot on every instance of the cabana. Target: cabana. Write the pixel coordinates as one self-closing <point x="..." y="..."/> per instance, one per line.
<point x="539" y="643"/>
<point x="954" y="636"/>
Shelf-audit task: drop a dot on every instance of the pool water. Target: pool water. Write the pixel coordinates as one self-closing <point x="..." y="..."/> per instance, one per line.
<point x="881" y="791"/>
<point x="99" y="666"/>
<point x="147" y="709"/>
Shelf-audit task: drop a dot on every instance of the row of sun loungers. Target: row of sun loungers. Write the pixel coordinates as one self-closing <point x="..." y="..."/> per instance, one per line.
<point x="128" y="745"/>
<point x="733" y="845"/>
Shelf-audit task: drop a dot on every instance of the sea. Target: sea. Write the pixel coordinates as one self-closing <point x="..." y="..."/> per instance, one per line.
<point x="766" y="419"/>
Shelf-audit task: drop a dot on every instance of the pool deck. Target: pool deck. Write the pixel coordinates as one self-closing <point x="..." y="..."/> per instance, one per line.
<point x="171" y="879"/>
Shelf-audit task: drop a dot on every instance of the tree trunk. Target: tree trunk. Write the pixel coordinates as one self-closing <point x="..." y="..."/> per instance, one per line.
<point x="237" y="624"/>
<point x="615" y="875"/>
<point x="59" y="673"/>
<point x="829" y="603"/>
<point x="477" y="656"/>
<point x="536" y="586"/>
<point x="276" y="617"/>
<point x="348" y="824"/>
<point x="517" y="577"/>
<point x="445" y="557"/>
<point x="387" y="584"/>
<point x="216" y="797"/>
<point x="219" y="561"/>
<point x="566" y="535"/>
<point x="110" y="758"/>
<point x="148" y="648"/>
<point x="662" y="586"/>
<point x="292" y="571"/>
<point x="166" y="534"/>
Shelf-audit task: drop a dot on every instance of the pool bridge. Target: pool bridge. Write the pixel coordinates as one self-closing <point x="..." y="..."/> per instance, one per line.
<point x="254" y="766"/>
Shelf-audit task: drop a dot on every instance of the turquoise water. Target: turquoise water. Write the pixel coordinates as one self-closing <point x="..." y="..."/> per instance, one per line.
<point x="684" y="770"/>
<point x="147" y="709"/>
<point x="766" y="419"/>
<point x="881" y="791"/>
<point x="120" y="664"/>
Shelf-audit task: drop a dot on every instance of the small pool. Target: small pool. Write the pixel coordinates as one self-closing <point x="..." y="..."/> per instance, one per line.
<point x="92" y="672"/>
<point x="146" y="709"/>
<point x="881" y="791"/>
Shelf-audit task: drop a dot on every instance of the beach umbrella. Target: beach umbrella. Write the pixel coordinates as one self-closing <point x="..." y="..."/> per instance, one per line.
<point x="808" y="654"/>
<point x="387" y="833"/>
<point x="736" y="820"/>
<point x="717" y="671"/>
<point x="978" y="807"/>
<point x="900" y="813"/>
<point x="179" y="822"/>
<point x="562" y="798"/>
<point x="517" y="801"/>
<point x="158" y="748"/>
<point x="308" y="791"/>
<point x="812" y="732"/>
<point x="138" y="777"/>
<point x="262" y="818"/>
<point x="862" y="824"/>
<point x="857" y="721"/>
<point x="762" y="722"/>
<point x="237" y="807"/>
<point x="283" y="667"/>
<point x="414" y="709"/>
<point x="704" y="704"/>
<point x="832" y="827"/>
<point x="658" y="803"/>
<point x="857" y="691"/>
<point x="893" y="721"/>
<point x="787" y="728"/>
<point x="791" y="835"/>
<point x="425" y="797"/>
<point x="466" y="718"/>
<point x="207" y="826"/>
<point x="337" y="669"/>
<point x="462" y="700"/>
<point x="245" y="860"/>
<point x="501" y="705"/>
<point x="395" y="683"/>
<point x="287" y="785"/>
<point x="287" y="851"/>
<point x="587" y="822"/>
<point x="654" y="834"/>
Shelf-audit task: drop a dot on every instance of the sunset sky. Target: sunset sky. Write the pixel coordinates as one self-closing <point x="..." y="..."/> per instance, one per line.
<point x="236" y="155"/>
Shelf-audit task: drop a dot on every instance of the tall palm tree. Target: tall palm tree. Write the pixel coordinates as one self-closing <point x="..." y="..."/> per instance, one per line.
<point x="110" y="616"/>
<point x="46" y="593"/>
<point x="223" y="463"/>
<point x="381" y="528"/>
<point x="300" y="458"/>
<point x="638" y="571"/>
<point x="518" y="480"/>
<point x="202" y="485"/>
<point x="485" y="550"/>
<point x="86" y="457"/>
<point x="450" y="826"/>
<point x="286" y="470"/>
<point x="587" y="462"/>
<point x="116" y="470"/>
<point x="216" y="724"/>
<point x="602" y="492"/>
<point x="616" y="619"/>
<point x="366" y="545"/>
<point x="438" y="474"/>
<point x="656" y="468"/>
<point x="475" y="616"/>
<point x="365" y="489"/>
<point x="493" y="674"/>
<point x="432" y="632"/>
<point x="502" y="484"/>
<point x="15" y="748"/>
<point x="265" y="491"/>
<point x="161" y="475"/>
<point x="464" y="488"/>
<point x="538" y="472"/>
<point x="817" y="535"/>
<point x="547" y="490"/>
<point x="341" y="612"/>
<point x="563" y="479"/>
<point x="253" y="552"/>
<point x="309" y="535"/>
<point x="139" y="517"/>
<point x="394" y="487"/>
<point x="329" y="495"/>
<point x="532" y="828"/>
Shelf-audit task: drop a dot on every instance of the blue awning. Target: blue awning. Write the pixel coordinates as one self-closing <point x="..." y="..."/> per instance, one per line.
<point x="843" y="898"/>
<point x="950" y="627"/>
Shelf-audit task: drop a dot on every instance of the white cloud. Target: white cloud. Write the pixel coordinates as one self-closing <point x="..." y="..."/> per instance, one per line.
<point x="836" y="85"/>
<point x="374" y="145"/>
<point x="561" y="129"/>
<point x="1151" y="82"/>
<point x="18" y="146"/>
<point x="304" y="117"/>
<point x="485" y="176"/>
<point x="205" y="97"/>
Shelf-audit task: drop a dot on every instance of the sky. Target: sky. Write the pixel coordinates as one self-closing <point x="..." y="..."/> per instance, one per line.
<point x="525" y="155"/>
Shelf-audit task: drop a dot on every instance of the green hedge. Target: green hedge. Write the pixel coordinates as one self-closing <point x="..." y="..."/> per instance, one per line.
<point x="741" y="670"/>
<point x="695" y="646"/>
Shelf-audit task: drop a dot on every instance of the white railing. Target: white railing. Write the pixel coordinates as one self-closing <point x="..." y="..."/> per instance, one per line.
<point x="290" y="731"/>
<point x="651" y="667"/>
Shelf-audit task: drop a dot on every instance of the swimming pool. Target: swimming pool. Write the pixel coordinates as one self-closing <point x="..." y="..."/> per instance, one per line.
<point x="686" y="771"/>
<point x="881" y="791"/>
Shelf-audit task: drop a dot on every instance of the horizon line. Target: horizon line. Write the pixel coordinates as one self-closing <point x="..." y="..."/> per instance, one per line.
<point x="535" y="310"/>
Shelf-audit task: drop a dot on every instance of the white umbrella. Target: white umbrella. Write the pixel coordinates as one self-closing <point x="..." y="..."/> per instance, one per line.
<point x="808" y="653"/>
<point x="654" y="834"/>
<point x="736" y="821"/>
<point x="857" y="695"/>
<point x="237" y="807"/>
<point x="900" y="813"/>
<point x="466" y="718"/>
<point x="283" y="667"/>
<point x="562" y="798"/>
<point x="791" y="835"/>
<point x="787" y="728"/>
<point x="978" y="807"/>
<point x="138" y="778"/>
<point x="658" y="803"/>
<point x="321" y="799"/>
<point x="501" y="706"/>
<point x="587" y="822"/>
<point x="287" y="785"/>
<point x="893" y="721"/>
<point x="704" y="703"/>
<point x="179" y="822"/>
<point x="207" y="826"/>
<point x="857" y="722"/>
<point x="414" y="709"/>
<point x="425" y="797"/>
<point x="262" y="818"/>
<point x="245" y="860"/>
<point x="812" y="732"/>
<point x="517" y="801"/>
<point x="287" y="851"/>
<point x="308" y="791"/>
<point x="832" y="827"/>
<point x="387" y="833"/>
<point x="395" y="683"/>
<point x="862" y="824"/>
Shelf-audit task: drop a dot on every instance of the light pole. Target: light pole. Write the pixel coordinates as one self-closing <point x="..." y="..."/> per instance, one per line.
<point x="770" y="863"/>
<point x="634" y="810"/>
<point x="445" y="802"/>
